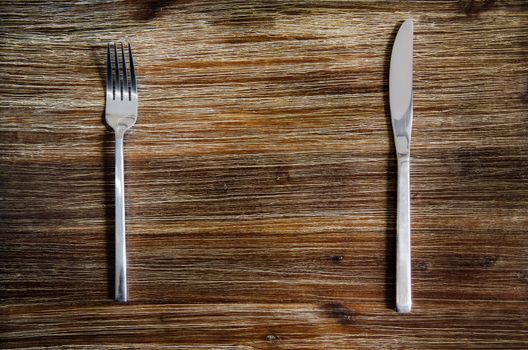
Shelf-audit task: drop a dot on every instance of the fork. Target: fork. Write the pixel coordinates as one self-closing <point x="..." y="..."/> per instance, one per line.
<point x="120" y="114"/>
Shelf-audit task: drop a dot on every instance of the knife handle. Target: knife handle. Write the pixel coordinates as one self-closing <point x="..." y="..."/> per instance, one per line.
<point x="403" y="238"/>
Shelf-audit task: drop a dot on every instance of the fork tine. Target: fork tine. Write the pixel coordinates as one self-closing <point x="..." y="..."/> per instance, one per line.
<point x="109" y="78"/>
<point x="126" y="93"/>
<point x="133" y="88"/>
<point x="117" y="78"/>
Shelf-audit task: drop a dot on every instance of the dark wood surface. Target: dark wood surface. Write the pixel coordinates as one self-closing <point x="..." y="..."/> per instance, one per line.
<point x="261" y="176"/>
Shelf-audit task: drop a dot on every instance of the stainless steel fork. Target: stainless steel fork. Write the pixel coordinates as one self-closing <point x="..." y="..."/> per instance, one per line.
<point x="121" y="115"/>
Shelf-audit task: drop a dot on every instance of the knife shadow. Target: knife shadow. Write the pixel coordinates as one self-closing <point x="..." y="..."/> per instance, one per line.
<point x="391" y="183"/>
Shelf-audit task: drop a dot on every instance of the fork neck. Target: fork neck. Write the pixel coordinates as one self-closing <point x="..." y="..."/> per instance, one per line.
<point x="120" y="131"/>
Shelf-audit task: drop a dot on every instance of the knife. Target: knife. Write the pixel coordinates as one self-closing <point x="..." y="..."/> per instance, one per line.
<point x="401" y="107"/>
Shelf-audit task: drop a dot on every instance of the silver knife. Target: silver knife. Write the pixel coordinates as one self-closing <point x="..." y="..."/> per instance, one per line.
<point x="401" y="107"/>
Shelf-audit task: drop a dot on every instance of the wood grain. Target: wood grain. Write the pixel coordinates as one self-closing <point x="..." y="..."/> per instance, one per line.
<point x="261" y="176"/>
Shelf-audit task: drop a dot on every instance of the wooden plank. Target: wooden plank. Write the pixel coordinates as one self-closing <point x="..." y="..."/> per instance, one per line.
<point x="261" y="176"/>
<point x="264" y="326"/>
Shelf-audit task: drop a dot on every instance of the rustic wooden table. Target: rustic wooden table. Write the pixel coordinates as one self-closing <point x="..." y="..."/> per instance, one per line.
<point x="261" y="176"/>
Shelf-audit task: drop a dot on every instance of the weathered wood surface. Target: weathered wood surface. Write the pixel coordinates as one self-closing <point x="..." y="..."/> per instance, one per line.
<point x="261" y="176"/>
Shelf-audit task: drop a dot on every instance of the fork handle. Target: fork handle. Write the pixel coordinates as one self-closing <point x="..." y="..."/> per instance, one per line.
<point x="403" y="238"/>
<point x="121" y="292"/>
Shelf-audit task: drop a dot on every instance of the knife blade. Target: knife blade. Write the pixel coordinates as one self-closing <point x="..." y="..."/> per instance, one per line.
<point x="401" y="107"/>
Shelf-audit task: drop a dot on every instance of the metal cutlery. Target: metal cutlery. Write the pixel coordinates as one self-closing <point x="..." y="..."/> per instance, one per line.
<point x="401" y="107"/>
<point x="120" y="114"/>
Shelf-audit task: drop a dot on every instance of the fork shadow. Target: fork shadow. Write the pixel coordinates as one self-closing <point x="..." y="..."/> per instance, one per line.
<point x="108" y="176"/>
<point x="390" y="192"/>
<point x="108" y="161"/>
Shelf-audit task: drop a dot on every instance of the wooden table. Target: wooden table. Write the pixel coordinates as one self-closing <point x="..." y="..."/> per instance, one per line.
<point x="261" y="176"/>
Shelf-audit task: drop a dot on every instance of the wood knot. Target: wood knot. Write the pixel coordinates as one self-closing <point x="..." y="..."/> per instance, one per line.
<point x="272" y="338"/>
<point x="488" y="261"/>
<point x="474" y="7"/>
<point x="422" y="266"/>
<point x="523" y="276"/>
<point x="524" y="94"/>
<point x="149" y="9"/>
<point x="339" y="312"/>
<point x="337" y="259"/>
